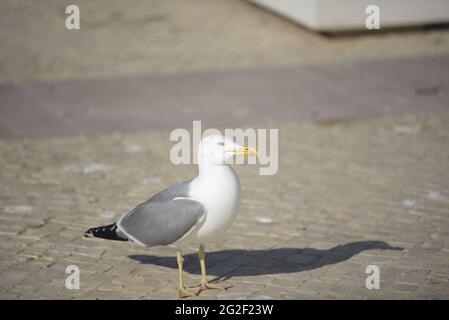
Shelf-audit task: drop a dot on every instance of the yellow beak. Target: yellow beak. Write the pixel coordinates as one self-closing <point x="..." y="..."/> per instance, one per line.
<point x="246" y="151"/>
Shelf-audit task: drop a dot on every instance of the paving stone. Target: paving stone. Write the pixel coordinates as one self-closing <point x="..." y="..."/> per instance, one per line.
<point x="350" y="216"/>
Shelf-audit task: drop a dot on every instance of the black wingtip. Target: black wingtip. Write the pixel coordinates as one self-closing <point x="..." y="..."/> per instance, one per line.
<point x="108" y="232"/>
<point x="88" y="233"/>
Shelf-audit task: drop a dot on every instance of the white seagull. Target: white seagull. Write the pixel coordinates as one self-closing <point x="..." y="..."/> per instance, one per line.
<point x="192" y="212"/>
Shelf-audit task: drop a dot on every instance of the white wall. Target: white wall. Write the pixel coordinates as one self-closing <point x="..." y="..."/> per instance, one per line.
<point x="341" y="15"/>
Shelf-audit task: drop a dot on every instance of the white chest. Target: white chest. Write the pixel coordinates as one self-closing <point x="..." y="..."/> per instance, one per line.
<point x="219" y="190"/>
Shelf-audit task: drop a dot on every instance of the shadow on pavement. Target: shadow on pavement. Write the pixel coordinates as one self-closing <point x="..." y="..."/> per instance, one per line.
<point x="233" y="263"/>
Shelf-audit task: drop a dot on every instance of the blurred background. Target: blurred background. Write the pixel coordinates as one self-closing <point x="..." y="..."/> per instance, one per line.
<point x="219" y="61"/>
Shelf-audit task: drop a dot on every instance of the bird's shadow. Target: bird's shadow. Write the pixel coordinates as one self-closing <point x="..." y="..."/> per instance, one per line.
<point x="226" y="264"/>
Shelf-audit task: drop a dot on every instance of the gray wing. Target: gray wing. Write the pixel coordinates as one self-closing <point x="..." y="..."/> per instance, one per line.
<point x="161" y="223"/>
<point x="179" y="190"/>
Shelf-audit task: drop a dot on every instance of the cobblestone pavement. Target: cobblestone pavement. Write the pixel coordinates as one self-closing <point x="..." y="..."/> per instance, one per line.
<point x="348" y="194"/>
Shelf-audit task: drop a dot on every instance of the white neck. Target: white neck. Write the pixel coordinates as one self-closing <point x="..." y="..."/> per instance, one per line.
<point x="216" y="183"/>
<point x="213" y="170"/>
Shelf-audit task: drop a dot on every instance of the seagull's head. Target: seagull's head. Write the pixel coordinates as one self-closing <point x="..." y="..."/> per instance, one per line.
<point x="217" y="150"/>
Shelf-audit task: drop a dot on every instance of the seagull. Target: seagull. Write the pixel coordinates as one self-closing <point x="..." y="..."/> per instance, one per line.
<point x="190" y="213"/>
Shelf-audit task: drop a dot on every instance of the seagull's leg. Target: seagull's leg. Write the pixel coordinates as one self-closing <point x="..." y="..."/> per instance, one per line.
<point x="183" y="292"/>
<point x="204" y="284"/>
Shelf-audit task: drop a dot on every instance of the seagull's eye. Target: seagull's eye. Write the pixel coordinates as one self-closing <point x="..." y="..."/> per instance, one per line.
<point x="221" y="144"/>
